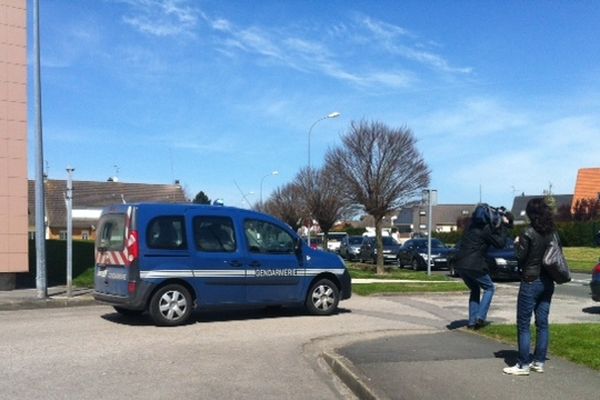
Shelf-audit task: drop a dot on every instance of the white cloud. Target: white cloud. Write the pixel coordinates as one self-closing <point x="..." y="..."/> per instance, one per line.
<point x="161" y="18"/>
<point x="388" y="36"/>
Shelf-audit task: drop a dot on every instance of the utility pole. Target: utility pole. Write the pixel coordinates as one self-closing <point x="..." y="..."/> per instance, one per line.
<point x="40" y="212"/>
<point x="69" y="203"/>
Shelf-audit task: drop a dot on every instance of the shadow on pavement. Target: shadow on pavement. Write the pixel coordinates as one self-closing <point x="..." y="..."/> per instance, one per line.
<point x="591" y="310"/>
<point x="461" y="323"/>
<point x="511" y="357"/>
<point x="209" y="316"/>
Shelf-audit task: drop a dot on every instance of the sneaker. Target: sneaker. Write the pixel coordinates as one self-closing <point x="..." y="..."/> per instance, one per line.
<point x="537" y="366"/>
<point x="516" y="370"/>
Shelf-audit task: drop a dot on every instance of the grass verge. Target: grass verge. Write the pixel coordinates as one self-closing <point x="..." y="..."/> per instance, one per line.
<point x="579" y="343"/>
<point x="433" y="283"/>
<point x="85" y="279"/>
<point x="582" y="259"/>
<point x="404" y="287"/>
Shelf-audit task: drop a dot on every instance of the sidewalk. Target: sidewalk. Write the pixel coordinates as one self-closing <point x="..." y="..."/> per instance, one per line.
<point x="23" y="299"/>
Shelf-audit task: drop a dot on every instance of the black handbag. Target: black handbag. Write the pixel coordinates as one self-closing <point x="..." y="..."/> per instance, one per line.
<point x="555" y="263"/>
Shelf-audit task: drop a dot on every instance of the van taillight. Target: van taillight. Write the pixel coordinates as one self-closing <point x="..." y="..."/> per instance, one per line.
<point x="131" y="287"/>
<point x="133" y="247"/>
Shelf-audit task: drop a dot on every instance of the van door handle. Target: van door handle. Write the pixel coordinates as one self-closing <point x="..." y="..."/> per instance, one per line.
<point x="254" y="264"/>
<point x="235" y="263"/>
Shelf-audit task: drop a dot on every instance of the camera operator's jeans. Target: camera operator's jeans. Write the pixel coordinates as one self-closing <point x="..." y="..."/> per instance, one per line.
<point x="534" y="297"/>
<point x="478" y="304"/>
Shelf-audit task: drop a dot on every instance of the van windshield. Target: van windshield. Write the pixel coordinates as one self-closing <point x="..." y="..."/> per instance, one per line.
<point x="111" y="234"/>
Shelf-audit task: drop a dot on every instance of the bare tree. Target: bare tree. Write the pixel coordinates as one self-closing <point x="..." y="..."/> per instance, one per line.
<point x="380" y="169"/>
<point x="322" y="197"/>
<point x="285" y="203"/>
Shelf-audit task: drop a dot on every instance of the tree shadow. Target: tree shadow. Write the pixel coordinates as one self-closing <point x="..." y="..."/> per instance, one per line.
<point x="511" y="357"/>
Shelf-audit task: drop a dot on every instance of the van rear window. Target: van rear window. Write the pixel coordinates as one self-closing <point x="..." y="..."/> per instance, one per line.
<point x="112" y="232"/>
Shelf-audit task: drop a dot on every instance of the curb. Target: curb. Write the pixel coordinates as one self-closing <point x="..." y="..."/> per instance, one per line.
<point x="341" y="368"/>
<point x="50" y="302"/>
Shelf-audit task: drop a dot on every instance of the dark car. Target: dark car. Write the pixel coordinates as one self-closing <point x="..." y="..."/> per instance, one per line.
<point x="595" y="282"/>
<point x="368" y="249"/>
<point x="414" y="253"/>
<point x="502" y="263"/>
<point x="350" y="247"/>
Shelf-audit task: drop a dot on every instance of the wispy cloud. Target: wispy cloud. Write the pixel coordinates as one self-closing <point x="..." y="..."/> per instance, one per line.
<point x="390" y="36"/>
<point x="161" y="18"/>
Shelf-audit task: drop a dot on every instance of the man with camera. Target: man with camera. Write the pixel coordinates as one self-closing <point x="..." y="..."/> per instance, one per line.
<point x="488" y="226"/>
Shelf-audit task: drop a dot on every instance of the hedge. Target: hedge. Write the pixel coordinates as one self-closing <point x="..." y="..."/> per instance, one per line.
<point x="572" y="234"/>
<point x="56" y="262"/>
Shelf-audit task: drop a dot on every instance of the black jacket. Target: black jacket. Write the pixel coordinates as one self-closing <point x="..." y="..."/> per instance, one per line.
<point x="474" y="245"/>
<point x="530" y="251"/>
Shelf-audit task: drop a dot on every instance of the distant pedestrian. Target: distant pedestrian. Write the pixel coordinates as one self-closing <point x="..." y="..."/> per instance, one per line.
<point x="536" y="289"/>
<point x="472" y="267"/>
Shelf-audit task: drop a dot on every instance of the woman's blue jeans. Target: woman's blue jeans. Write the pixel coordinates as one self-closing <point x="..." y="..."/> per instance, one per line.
<point x="479" y="305"/>
<point x="534" y="298"/>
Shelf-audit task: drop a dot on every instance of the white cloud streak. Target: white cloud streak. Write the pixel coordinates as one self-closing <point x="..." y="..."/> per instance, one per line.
<point x="161" y="18"/>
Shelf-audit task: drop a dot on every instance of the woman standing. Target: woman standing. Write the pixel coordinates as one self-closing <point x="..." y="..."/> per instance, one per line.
<point x="537" y="287"/>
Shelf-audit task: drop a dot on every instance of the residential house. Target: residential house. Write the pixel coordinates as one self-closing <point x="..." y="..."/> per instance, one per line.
<point x="520" y="203"/>
<point x="587" y="186"/>
<point x="89" y="198"/>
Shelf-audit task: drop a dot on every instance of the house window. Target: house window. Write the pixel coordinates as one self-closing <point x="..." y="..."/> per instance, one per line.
<point x="85" y="235"/>
<point x="63" y="235"/>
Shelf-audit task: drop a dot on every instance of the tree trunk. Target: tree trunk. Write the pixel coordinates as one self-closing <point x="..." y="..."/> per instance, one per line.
<point x="379" y="245"/>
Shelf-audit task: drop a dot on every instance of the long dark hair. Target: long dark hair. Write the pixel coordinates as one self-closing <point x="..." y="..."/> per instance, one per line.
<point x="540" y="215"/>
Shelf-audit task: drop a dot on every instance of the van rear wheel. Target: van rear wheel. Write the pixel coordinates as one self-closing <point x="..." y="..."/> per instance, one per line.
<point x="171" y="305"/>
<point x="323" y="297"/>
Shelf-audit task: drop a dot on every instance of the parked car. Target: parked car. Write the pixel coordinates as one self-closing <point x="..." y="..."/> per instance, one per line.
<point x="350" y="247"/>
<point x="502" y="263"/>
<point x="595" y="282"/>
<point x="368" y="249"/>
<point x="413" y="253"/>
<point x="334" y="240"/>
<point x="316" y="242"/>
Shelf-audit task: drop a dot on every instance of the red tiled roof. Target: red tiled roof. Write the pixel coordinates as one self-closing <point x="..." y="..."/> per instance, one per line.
<point x="97" y="195"/>
<point x="587" y="185"/>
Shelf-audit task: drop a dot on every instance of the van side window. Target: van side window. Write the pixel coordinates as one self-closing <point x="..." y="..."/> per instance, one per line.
<point x="214" y="234"/>
<point x="167" y="232"/>
<point x="264" y="237"/>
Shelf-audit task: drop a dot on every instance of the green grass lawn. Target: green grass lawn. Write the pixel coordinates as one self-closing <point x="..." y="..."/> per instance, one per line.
<point x="85" y="279"/>
<point x="434" y="283"/>
<point x="582" y="259"/>
<point x="579" y="343"/>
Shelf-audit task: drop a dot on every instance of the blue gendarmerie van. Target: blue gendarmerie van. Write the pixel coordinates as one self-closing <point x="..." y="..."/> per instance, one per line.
<point x="168" y="259"/>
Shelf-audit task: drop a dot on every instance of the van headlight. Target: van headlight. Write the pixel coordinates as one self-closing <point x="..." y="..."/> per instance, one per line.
<point x="500" y="261"/>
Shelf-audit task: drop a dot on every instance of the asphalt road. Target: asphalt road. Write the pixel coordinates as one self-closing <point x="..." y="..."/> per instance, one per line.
<point x="94" y="353"/>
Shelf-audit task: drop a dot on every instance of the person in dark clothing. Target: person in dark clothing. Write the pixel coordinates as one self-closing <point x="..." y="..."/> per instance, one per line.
<point x="536" y="289"/>
<point x="473" y="269"/>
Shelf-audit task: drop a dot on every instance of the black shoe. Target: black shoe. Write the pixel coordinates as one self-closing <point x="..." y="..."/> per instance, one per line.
<point x="480" y="324"/>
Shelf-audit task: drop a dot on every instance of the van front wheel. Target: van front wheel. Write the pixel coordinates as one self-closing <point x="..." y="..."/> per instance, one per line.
<point x="323" y="297"/>
<point x="171" y="305"/>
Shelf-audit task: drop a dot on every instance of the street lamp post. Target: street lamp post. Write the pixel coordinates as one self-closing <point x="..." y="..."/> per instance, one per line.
<point x="328" y="116"/>
<point x="429" y="222"/>
<point x="261" y="183"/>
<point x="334" y="114"/>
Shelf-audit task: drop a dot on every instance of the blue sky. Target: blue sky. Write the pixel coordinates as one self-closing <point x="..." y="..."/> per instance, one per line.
<point x="503" y="97"/>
